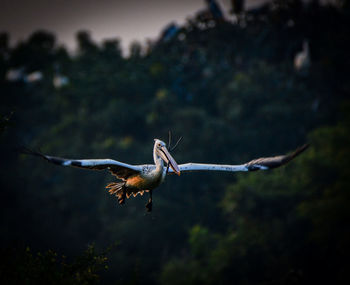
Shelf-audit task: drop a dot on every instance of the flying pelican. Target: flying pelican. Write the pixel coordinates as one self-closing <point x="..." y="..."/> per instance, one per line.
<point x="136" y="179"/>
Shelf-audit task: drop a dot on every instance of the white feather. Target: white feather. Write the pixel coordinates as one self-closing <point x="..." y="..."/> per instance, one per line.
<point x="210" y="167"/>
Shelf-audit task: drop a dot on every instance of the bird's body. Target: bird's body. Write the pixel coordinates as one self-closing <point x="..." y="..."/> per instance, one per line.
<point x="150" y="177"/>
<point x="146" y="180"/>
<point x="302" y="59"/>
<point x="137" y="179"/>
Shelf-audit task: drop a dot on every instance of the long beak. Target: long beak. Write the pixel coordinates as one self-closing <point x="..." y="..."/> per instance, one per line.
<point x="166" y="156"/>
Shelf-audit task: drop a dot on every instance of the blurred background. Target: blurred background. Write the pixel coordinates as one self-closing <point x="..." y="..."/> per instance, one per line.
<point x="237" y="79"/>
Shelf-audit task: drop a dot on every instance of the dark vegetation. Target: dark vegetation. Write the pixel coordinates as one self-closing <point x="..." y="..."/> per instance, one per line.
<point x="232" y="92"/>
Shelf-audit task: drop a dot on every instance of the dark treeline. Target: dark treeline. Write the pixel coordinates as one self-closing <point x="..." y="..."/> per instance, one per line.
<point x="232" y="90"/>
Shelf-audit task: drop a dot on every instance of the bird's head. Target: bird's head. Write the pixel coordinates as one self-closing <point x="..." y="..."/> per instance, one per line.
<point x="161" y="151"/>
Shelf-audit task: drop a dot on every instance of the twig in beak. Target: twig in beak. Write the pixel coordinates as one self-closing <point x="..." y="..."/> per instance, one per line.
<point x="171" y="148"/>
<point x="176" y="144"/>
<point x="169" y="140"/>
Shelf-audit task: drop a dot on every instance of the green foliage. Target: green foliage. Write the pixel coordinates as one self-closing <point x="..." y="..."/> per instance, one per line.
<point x="26" y="267"/>
<point x="285" y="226"/>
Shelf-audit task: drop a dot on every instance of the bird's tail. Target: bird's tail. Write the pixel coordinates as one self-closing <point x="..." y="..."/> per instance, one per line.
<point x="117" y="189"/>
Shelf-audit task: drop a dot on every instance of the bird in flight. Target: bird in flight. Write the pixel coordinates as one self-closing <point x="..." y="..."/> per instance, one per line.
<point x="137" y="179"/>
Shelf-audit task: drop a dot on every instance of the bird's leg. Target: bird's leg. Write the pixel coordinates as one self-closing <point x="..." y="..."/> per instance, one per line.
<point x="149" y="204"/>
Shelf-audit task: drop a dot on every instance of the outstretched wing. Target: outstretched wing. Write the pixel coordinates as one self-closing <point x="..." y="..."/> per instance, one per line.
<point x="119" y="169"/>
<point x="263" y="163"/>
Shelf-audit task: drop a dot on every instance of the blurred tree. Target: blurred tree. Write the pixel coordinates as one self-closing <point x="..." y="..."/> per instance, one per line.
<point x="135" y="50"/>
<point x="112" y="49"/>
<point x="25" y="267"/>
<point x="85" y="44"/>
<point x="4" y="43"/>
<point x="35" y="54"/>
<point x="283" y="227"/>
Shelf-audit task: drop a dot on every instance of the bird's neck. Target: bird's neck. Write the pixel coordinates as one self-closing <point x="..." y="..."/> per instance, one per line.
<point x="160" y="170"/>
<point x="157" y="160"/>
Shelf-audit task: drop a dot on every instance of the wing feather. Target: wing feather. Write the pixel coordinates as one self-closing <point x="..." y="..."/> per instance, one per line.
<point x="117" y="168"/>
<point x="263" y="163"/>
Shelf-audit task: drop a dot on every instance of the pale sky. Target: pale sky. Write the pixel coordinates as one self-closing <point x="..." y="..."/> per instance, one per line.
<point x="128" y="20"/>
